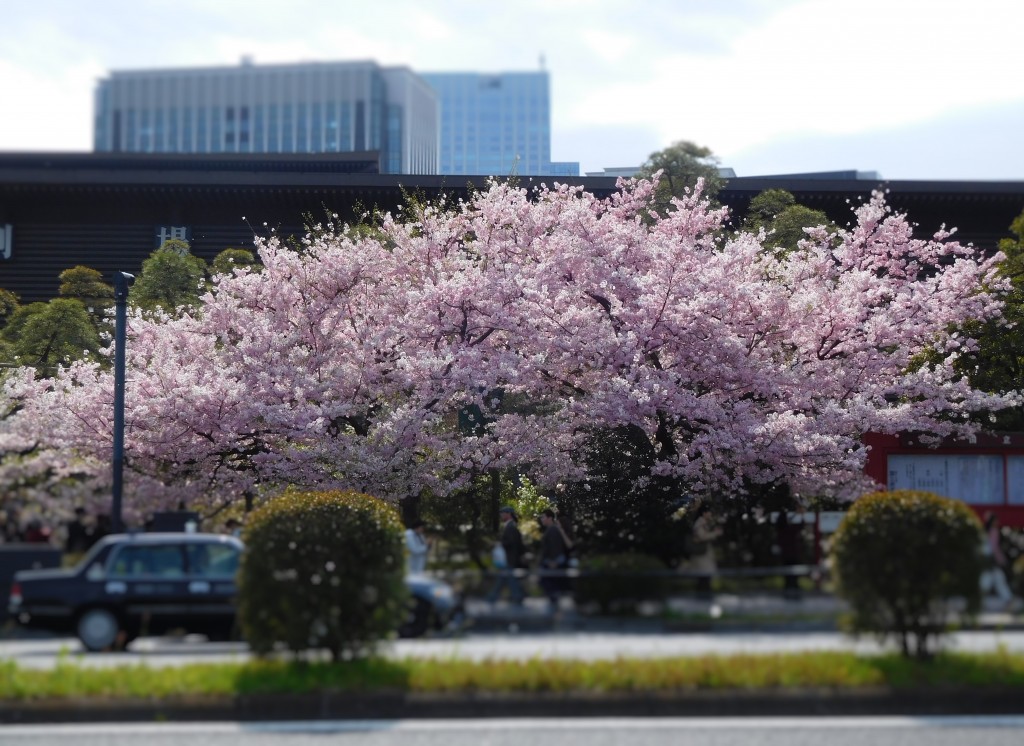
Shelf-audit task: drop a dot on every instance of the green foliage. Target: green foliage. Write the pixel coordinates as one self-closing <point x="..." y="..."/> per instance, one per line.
<point x="529" y="502"/>
<point x="765" y="206"/>
<point x="8" y="305"/>
<point x="900" y="557"/>
<point x="748" y="537"/>
<point x="682" y="163"/>
<point x="777" y="211"/>
<point x="463" y="519"/>
<point x="998" y="363"/>
<point x="171" y="279"/>
<point x="467" y="520"/>
<point x="46" y="335"/>
<point x="229" y="260"/>
<point x="322" y="570"/>
<point x="622" y="508"/>
<point x="86" y="285"/>
<point x="19" y="317"/>
<point x="619" y="582"/>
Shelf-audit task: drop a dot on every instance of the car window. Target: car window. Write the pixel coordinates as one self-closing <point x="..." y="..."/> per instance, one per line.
<point x="160" y="560"/>
<point x="213" y="560"/>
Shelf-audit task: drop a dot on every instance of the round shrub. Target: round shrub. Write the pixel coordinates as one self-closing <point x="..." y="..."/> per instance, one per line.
<point x="619" y="582"/>
<point x="322" y="570"/>
<point x="900" y="557"/>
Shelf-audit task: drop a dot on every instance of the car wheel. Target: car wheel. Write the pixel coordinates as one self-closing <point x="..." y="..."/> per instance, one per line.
<point x="98" y="629"/>
<point x="418" y="615"/>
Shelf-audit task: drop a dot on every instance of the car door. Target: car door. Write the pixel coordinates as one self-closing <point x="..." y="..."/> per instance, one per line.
<point x="150" y="582"/>
<point x="212" y="567"/>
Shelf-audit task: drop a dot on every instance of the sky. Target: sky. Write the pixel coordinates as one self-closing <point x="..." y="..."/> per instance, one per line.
<point x="910" y="89"/>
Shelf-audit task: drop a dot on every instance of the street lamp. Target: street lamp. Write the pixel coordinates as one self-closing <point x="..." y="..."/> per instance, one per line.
<point x="122" y="281"/>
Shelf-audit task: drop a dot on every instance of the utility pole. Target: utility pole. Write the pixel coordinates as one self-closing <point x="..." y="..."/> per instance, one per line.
<point x="122" y="281"/>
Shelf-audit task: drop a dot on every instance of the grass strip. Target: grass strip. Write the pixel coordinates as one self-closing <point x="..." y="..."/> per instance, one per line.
<point x="793" y="671"/>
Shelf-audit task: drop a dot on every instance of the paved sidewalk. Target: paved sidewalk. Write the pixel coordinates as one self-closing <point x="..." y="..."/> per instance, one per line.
<point x="726" y="611"/>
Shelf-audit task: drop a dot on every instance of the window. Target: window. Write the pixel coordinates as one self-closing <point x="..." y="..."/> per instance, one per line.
<point x="1015" y="477"/>
<point x="159" y="560"/>
<point x="212" y="560"/>
<point x="287" y="128"/>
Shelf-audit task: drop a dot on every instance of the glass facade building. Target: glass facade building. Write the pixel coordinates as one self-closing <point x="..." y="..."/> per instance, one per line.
<point x="496" y="124"/>
<point x="334" y="107"/>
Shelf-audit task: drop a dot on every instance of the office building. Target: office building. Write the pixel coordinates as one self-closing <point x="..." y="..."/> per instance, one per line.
<point x="496" y="124"/>
<point x="331" y="107"/>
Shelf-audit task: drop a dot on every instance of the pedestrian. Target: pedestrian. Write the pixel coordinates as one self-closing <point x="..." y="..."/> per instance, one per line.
<point x="417" y="547"/>
<point x="702" y="548"/>
<point x="555" y="546"/>
<point x="10" y="530"/>
<point x="993" y="576"/>
<point x="104" y="526"/>
<point x="37" y="532"/>
<point x="77" y="540"/>
<point x="789" y="540"/>
<point x="508" y="556"/>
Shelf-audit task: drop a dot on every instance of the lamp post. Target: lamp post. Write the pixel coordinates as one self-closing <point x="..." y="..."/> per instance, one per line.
<point x="122" y="280"/>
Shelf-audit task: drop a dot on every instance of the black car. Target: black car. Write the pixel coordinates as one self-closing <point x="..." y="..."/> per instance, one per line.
<point x="135" y="584"/>
<point x="130" y="585"/>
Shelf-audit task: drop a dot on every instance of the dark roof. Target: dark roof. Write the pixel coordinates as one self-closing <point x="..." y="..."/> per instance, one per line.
<point x="104" y="210"/>
<point x="48" y="166"/>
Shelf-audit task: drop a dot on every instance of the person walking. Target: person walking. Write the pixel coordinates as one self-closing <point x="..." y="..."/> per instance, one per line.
<point x="555" y="546"/>
<point x="993" y="577"/>
<point x="417" y="547"/>
<point x="510" y="557"/>
<point x="77" y="541"/>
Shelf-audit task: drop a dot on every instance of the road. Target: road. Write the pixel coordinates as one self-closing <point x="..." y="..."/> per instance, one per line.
<point x="45" y="652"/>
<point x="812" y="731"/>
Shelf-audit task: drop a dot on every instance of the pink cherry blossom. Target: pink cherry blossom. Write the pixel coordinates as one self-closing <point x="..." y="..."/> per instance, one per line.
<point x="346" y="362"/>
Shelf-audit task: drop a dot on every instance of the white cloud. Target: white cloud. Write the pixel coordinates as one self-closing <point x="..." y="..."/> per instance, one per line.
<point x="610" y="45"/>
<point x="734" y="76"/>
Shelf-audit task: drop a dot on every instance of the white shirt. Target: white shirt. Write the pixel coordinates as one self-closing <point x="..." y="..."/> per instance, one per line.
<point x="417" y="557"/>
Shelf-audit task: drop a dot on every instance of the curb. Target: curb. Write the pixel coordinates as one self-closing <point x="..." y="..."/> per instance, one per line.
<point x="403" y="705"/>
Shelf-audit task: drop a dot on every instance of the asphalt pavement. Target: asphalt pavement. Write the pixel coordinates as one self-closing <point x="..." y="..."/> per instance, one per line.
<point x="763" y="611"/>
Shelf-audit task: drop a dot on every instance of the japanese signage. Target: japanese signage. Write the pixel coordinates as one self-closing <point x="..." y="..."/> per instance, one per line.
<point x="167" y="232"/>
<point x="975" y="479"/>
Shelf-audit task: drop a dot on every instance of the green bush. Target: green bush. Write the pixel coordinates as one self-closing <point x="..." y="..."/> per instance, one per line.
<point x="900" y="557"/>
<point x="322" y="570"/>
<point x="619" y="582"/>
<point x="1017" y="576"/>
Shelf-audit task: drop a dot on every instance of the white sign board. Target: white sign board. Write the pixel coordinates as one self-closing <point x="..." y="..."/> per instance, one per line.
<point x="975" y="479"/>
<point x="829" y="520"/>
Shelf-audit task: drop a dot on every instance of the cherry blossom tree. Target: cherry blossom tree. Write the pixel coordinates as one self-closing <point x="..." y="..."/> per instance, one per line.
<point x="553" y="315"/>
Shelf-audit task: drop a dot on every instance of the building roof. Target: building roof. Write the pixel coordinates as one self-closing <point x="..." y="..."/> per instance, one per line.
<point x="104" y="210"/>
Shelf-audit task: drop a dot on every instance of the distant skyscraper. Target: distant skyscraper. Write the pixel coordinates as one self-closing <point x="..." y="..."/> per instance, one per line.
<point x="326" y="107"/>
<point x="496" y="124"/>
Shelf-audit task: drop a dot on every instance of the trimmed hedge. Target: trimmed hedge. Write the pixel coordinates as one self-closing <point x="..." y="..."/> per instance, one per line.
<point x="900" y="558"/>
<point x="322" y="570"/>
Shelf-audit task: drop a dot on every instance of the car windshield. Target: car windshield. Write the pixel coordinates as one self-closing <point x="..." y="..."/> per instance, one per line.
<point x="91" y="555"/>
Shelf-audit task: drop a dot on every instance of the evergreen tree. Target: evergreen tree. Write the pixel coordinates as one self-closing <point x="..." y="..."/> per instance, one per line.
<point x="172" y="278"/>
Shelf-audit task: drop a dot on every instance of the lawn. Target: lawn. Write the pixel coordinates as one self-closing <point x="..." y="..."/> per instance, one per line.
<point x="796" y="671"/>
